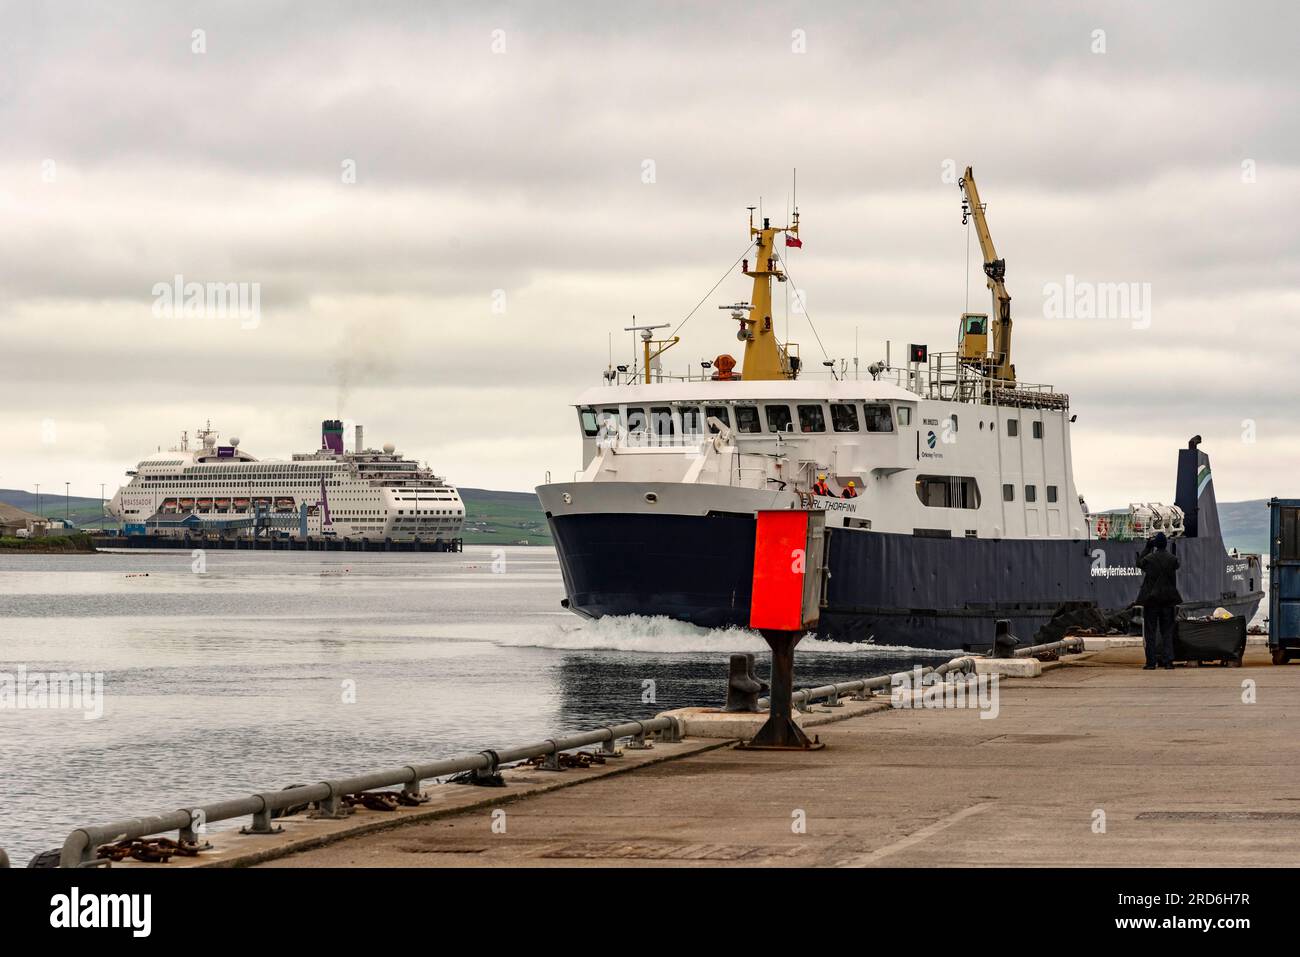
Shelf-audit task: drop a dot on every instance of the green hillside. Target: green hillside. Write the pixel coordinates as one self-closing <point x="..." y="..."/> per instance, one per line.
<point x="81" y="511"/>
<point x="503" y="518"/>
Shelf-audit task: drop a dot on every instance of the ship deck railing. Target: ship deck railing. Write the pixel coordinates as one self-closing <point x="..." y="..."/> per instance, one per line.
<point x="945" y="376"/>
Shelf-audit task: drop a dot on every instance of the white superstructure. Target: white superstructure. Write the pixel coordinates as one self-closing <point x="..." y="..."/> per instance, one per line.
<point x="921" y="452"/>
<point x="366" y="494"/>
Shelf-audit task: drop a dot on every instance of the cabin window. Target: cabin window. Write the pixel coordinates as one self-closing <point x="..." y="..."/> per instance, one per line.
<point x="1013" y="427"/>
<point x="692" y="422"/>
<point x="778" y="418"/>
<point x="747" y="419"/>
<point x="589" y="425"/>
<point x="1038" y="430"/>
<point x="879" y="418"/>
<point x="904" y="415"/>
<point x="812" y="418"/>
<point x="1008" y="493"/>
<point x="1051" y="493"/>
<point x="844" y="417"/>
<point x="1031" y="493"/>
<point x="948" y="491"/>
<point x="636" y="420"/>
<point x="718" y="412"/>
<point x="953" y="419"/>
<point x="975" y="325"/>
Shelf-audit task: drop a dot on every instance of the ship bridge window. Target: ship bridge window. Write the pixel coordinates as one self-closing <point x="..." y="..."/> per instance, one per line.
<point x="778" y="418"/>
<point x="844" y="417"/>
<point x="718" y="412"/>
<point x="589" y="425"/>
<point x="662" y="417"/>
<point x="879" y="418"/>
<point x="904" y="415"/>
<point x="948" y="491"/>
<point x="636" y="420"/>
<point x="812" y="418"/>
<point x="692" y="421"/>
<point x="747" y="419"/>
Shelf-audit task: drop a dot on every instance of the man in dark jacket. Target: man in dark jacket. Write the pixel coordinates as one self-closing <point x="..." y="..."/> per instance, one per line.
<point x="1159" y="599"/>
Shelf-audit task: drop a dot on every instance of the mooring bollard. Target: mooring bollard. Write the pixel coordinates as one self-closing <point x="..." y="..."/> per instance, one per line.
<point x="743" y="688"/>
<point x="1004" y="643"/>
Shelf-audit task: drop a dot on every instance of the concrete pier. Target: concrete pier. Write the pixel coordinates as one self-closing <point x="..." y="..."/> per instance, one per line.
<point x="1093" y="763"/>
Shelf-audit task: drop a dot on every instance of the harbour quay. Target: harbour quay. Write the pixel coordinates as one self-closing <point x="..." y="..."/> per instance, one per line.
<point x="1086" y="761"/>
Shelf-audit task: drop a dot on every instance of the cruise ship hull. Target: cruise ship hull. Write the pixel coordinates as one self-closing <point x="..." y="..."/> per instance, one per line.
<point x="890" y="589"/>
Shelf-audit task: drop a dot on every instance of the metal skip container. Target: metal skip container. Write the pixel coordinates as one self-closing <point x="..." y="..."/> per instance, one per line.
<point x="1284" y="579"/>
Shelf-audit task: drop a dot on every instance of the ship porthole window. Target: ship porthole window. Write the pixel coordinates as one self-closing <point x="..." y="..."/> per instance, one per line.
<point x="651" y="498"/>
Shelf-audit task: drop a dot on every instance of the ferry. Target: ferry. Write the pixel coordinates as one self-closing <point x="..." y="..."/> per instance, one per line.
<point x="362" y="495"/>
<point x="947" y="484"/>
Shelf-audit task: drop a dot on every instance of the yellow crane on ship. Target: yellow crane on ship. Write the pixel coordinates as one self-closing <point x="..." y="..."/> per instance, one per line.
<point x="996" y="362"/>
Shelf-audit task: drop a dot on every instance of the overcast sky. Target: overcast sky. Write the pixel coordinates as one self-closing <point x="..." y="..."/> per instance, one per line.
<point x="500" y="155"/>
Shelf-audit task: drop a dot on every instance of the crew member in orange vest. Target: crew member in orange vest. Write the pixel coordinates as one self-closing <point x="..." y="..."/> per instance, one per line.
<point x="850" y="491"/>
<point x="820" y="487"/>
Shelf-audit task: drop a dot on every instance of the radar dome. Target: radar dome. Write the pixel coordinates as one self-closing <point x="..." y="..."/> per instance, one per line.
<point x="390" y="448"/>
<point x="234" y="441"/>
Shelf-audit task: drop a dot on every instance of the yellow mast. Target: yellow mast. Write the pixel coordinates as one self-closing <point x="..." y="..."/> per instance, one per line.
<point x="995" y="269"/>
<point x="765" y="357"/>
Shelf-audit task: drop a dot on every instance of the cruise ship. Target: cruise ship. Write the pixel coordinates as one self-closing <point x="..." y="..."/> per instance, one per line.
<point x="946" y="481"/>
<point x="363" y="495"/>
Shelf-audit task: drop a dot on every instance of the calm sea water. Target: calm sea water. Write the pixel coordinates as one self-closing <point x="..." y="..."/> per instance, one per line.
<point x="234" y="680"/>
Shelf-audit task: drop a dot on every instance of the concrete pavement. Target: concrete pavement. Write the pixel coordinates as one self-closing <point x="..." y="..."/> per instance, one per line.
<point x="1094" y="763"/>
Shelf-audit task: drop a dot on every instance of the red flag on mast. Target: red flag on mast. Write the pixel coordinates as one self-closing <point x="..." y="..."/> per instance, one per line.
<point x="794" y="241"/>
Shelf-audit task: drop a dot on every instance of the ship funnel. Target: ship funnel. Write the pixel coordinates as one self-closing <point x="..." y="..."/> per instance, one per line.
<point x="360" y="442"/>
<point x="331" y="437"/>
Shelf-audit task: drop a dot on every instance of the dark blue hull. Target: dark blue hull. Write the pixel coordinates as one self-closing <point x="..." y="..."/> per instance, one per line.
<point x="891" y="589"/>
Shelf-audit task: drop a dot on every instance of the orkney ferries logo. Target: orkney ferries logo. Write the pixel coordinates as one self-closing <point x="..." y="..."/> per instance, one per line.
<point x="931" y="440"/>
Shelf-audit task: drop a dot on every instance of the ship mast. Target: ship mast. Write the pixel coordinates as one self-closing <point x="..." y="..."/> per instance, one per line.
<point x="765" y="357"/>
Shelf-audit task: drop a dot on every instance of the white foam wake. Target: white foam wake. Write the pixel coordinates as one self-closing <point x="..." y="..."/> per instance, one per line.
<point x="661" y="635"/>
